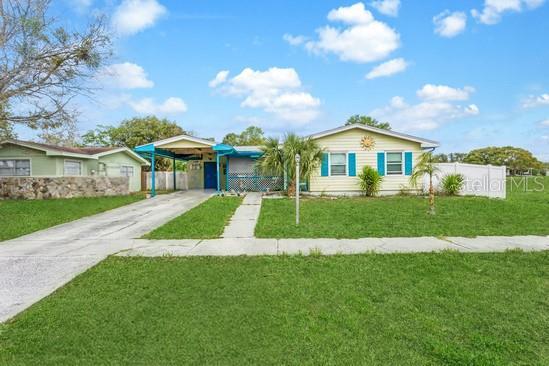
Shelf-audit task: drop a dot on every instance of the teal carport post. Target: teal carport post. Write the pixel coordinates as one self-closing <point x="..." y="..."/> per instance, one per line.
<point x="153" y="178"/>
<point x="217" y="171"/>
<point x="174" y="175"/>
<point x="227" y="174"/>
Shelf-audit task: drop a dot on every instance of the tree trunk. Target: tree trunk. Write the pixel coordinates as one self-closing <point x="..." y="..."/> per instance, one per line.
<point x="291" y="188"/>
<point x="431" y="196"/>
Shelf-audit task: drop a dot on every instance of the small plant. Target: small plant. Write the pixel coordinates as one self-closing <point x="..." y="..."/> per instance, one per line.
<point x="452" y="184"/>
<point x="370" y="181"/>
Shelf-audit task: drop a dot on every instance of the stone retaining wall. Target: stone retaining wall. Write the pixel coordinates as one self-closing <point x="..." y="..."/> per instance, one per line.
<point x="62" y="187"/>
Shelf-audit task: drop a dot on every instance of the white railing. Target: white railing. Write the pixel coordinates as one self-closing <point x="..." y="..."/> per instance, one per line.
<point x="480" y="180"/>
<point x="164" y="180"/>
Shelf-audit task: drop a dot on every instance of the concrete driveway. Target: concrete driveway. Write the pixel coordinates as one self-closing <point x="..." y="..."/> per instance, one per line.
<point x="35" y="265"/>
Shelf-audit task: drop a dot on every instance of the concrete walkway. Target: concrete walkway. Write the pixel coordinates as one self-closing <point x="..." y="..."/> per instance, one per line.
<point x="252" y="246"/>
<point x="242" y="224"/>
<point x="34" y="265"/>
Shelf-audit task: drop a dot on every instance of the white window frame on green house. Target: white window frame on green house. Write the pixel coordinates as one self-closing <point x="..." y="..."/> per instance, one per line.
<point x="15" y="167"/>
<point x="126" y="169"/>
<point x="65" y="168"/>
<point x="402" y="168"/>
<point x="346" y="163"/>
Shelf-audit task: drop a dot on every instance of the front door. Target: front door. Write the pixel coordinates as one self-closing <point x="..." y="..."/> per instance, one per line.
<point x="210" y="175"/>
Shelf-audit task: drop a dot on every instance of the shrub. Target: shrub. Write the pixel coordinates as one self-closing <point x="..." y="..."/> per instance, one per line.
<point x="452" y="184"/>
<point x="370" y="181"/>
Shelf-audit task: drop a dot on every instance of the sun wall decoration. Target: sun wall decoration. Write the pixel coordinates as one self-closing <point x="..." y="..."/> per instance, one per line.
<point x="367" y="142"/>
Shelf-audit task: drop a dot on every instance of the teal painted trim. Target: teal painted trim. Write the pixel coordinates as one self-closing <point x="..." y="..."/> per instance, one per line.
<point x="174" y="175"/>
<point x="352" y="164"/>
<point x="153" y="179"/>
<point x="144" y="148"/>
<point x="217" y="171"/>
<point x="381" y="163"/>
<point x="227" y="175"/>
<point x="324" y="165"/>
<point x="408" y="163"/>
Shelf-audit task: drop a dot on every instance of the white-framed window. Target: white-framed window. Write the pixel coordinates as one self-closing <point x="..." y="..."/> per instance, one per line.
<point x="394" y="163"/>
<point x="15" y="167"/>
<point x="338" y="163"/>
<point x="126" y="171"/>
<point x="72" y="167"/>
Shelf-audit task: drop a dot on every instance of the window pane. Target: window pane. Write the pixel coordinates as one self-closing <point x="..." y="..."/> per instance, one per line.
<point x="394" y="157"/>
<point x="338" y="169"/>
<point x="72" y="168"/>
<point x="337" y="159"/>
<point x="394" y="168"/>
<point x="126" y="171"/>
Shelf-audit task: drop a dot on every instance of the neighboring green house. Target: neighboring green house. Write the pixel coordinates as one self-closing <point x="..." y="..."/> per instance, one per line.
<point x="31" y="159"/>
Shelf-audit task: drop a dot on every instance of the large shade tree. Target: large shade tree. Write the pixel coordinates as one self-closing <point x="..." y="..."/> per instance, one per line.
<point x="279" y="158"/>
<point x="251" y="136"/>
<point x="514" y="158"/>
<point x="367" y="120"/>
<point x="134" y="132"/>
<point x="44" y="65"/>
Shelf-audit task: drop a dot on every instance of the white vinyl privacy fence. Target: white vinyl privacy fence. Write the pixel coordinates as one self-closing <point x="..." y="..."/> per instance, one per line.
<point x="164" y="180"/>
<point x="480" y="180"/>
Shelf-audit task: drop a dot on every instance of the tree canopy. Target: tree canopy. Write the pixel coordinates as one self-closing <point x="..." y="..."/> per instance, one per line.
<point x="44" y="65"/>
<point x="251" y="136"/>
<point x="134" y="132"/>
<point x="514" y="158"/>
<point x="367" y="120"/>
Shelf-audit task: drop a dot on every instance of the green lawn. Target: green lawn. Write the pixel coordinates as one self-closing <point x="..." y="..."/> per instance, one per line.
<point x="205" y="221"/>
<point x="20" y="217"/>
<point x="523" y="212"/>
<point x="399" y="309"/>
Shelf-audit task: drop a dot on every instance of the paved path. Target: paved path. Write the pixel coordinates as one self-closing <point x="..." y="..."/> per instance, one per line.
<point x="242" y="224"/>
<point x="253" y="246"/>
<point x="34" y="265"/>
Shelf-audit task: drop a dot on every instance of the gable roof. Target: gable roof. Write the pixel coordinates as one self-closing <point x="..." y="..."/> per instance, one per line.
<point x="76" y="152"/>
<point x="425" y="143"/>
<point x="180" y="138"/>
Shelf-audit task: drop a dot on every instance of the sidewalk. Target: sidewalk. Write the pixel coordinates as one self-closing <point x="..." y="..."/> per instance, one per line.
<point x="255" y="246"/>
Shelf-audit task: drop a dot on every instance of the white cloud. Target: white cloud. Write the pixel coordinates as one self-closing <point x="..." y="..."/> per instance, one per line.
<point x="220" y="78"/>
<point x="544" y="123"/>
<point x="133" y="16"/>
<point x="124" y="76"/>
<point x="172" y="105"/>
<point x="294" y="40"/>
<point x="425" y="115"/>
<point x="276" y="90"/>
<point x="493" y="10"/>
<point x="388" y="68"/>
<point x="536" y="101"/>
<point x="80" y="5"/>
<point x="387" y="7"/>
<point x="362" y="40"/>
<point x="450" y="24"/>
<point x="432" y="92"/>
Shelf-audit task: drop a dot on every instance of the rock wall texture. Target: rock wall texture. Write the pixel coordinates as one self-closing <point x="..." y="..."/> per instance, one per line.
<point x="62" y="187"/>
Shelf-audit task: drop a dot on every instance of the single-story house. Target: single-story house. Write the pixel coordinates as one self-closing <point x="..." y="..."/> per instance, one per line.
<point x="347" y="150"/>
<point x="32" y="159"/>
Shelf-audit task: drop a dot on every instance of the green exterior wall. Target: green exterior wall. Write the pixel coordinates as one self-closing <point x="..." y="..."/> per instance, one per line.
<point x="53" y="166"/>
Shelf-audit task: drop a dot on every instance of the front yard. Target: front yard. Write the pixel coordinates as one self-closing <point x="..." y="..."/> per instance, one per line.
<point x="415" y="309"/>
<point x="522" y="213"/>
<point x="205" y="221"/>
<point x="20" y="217"/>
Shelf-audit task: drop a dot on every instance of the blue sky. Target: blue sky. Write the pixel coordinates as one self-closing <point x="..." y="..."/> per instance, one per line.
<point x="466" y="73"/>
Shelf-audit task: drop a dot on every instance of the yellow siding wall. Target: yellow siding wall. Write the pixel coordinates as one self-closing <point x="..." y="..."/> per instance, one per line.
<point x="349" y="141"/>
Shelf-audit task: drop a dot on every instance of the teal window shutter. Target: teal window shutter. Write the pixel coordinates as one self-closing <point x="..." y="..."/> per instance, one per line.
<point x="352" y="164"/>
<point x="408" y="163"/>
<point x="381" y="163"/>
<point x="324" y="166"/>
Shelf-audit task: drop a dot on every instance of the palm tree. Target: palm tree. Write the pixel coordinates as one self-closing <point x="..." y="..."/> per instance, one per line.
<point x="426" y="165"/>
<point x="279" y="158"/>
